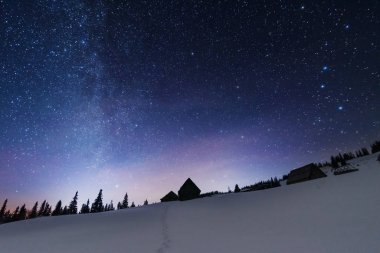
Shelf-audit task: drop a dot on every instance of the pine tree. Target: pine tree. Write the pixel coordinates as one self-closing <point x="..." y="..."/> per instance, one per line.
<point x="85" y="207"/>
<point x="73" y="207"/>
<point x="47" y="210"/>
<point x="146" y="202"/>
<point x="375" y="147"/>
<point x="110" y="207"/>
<point x="33" y="213"/>
<point x="2" y="211"/>
<point x="7" y="216"/>
<point x="58" y="209"/>
<point x="22" y="213"/>
<point x="65" y="210"/>
<point x="97" y="206"/>
<point x="119" y="205"/>
<point x="42" y="208"/>
<point x="237" y="189"/>
<point x="334" y="162"/>
<point x="125" y="201"/>
<point x="133" y="204"/>
<point x="365" y="151"/>
<point x="15" y="214"/>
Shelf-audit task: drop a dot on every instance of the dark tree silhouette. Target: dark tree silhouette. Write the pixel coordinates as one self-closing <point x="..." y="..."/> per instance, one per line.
<point x="47" y="210"/>
<point x="365" y="151"/>
<point x="334" y="162"/>
<point x="125" y="201"/>
<point x="33" y="213"/>
<point x="110" y="207"/>
<point x="118" y="205"/>
<point x="58" y="209"/>
<point x="375" y="147"/>
<point x="2" y="211"/>
<point x="42" y="209"/>
<point x="146" y="202"/>
<point x="85" y="207"/>
<point x="65" y="210"/>
<point x="97" y="206"/>
<point x="237" y="189"/>
<point x="22" y="213"/>
<point x="7" y="216"/>
<point x="133" y="204"/>
<point x="15" y="214"/>
<point x="73" y="207"/>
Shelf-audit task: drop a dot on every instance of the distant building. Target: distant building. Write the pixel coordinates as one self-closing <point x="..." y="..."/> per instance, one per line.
<point x="188" y="190"/>
<point x="171" y="196"/>
<point x="305" y="173"/>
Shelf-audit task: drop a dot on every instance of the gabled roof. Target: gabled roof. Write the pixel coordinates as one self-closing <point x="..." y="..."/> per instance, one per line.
<point x="189" y="184"/>
<point x="170" y="196"/>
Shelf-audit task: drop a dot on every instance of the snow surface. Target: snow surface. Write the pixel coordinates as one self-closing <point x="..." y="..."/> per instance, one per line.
<point x="332" y="214"/>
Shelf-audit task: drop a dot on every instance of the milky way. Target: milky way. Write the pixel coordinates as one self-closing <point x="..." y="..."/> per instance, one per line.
<point x="139" y="95"/>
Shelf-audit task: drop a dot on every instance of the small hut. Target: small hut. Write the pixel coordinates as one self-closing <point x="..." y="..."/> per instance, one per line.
<point x="305" y="173"/>
<point x="171" y="196"/>
<point x="188" y="190"/>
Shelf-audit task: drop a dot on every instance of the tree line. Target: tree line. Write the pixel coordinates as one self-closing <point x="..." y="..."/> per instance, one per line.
<point x="341" y="159"/>
<point x="45" y="209"/>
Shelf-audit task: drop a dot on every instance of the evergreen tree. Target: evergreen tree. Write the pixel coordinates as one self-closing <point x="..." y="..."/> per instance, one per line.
<point x="119" y="205"/>
<point x="58" y="209"/>
<point x="7" y="216"/>
<point x="73" y="207"/>
<point x="47" y="210"/>
<point x="125" y="201"/>
<point x="65" y="211"/>
<point x="365" y="151"/>
<point x="2" y="211"/>
<point x="33" y="213"/>
<point x="375" y="147"/>
<point x="146" y="202"/>
<point x="85" y="207"/>
<point x="22" y="213"/>
<point x="110" y="207"/>
<point x="97" y="206"/>
<point x="237" y="189"/>
<point x="15" y="214"/>
<point x="334" y="162"/>
<point x="42" y="208"/>
<point x="133" y="204"/>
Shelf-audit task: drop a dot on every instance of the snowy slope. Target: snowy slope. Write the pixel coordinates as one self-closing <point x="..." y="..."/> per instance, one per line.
<point x="333" y="214"/>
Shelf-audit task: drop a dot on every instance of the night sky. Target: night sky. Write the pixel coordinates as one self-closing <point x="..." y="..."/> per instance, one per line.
<point x="137" y="96"/>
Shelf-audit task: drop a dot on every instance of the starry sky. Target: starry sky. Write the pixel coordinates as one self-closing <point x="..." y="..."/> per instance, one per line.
<point x="137" y="96"/>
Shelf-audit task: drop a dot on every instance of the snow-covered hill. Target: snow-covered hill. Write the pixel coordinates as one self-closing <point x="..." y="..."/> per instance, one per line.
<point x="333" y="214"/>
